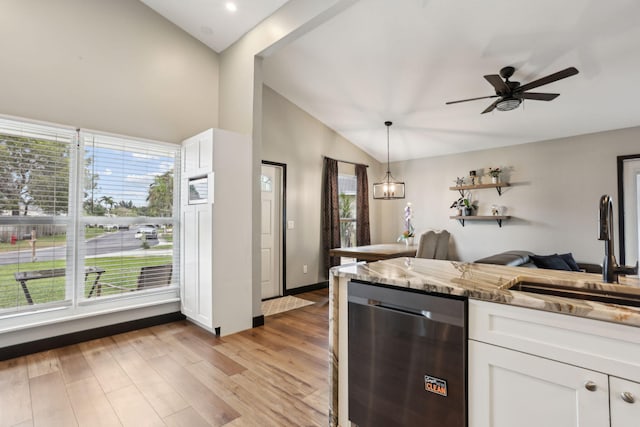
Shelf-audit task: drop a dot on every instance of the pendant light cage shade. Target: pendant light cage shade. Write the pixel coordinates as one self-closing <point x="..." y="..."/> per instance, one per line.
<point x="388" y="188"/>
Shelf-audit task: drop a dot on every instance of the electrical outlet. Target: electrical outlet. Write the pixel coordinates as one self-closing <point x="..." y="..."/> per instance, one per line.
<point x="305" y="269"/>
<point x="291" y="224"/>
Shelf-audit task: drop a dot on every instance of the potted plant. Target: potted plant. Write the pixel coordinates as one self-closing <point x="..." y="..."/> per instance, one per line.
<point x="495" y="174"/>
<point x="409" y="232"/>
<point x="457" y="205"/>
<point x="464" y="205"/>
<point x="468" y="206"/>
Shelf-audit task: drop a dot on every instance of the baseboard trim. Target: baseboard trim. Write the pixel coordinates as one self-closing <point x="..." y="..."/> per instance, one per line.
<point x="87" y="335"/>
<point x="258" y="321"/>
<point x="308" y="288"/>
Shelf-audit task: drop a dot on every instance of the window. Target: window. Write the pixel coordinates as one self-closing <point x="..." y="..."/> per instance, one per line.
<point x="347" y="186"/>
<point x="127" y="214"/>
<point x="85" y="217"/>
<point x="266" y="185"/>
<point x="35" y="170"/>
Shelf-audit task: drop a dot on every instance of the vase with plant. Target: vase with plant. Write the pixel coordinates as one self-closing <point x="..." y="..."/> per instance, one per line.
<point x="457" y="205"/>
<point x="495" y="174"/>
<point x="468" y="206"/>
<point x="464" y="205"/>
<point x="409" y="232"/>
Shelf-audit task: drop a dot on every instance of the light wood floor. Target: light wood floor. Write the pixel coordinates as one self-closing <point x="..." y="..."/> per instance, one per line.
<point x="179" y="375"/>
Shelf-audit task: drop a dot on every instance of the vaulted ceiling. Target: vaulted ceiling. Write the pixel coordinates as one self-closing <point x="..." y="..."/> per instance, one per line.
<point x="402" y="60"/>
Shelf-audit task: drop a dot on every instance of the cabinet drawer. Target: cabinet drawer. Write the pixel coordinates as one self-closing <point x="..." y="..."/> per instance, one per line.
<point x="601" y="346"/>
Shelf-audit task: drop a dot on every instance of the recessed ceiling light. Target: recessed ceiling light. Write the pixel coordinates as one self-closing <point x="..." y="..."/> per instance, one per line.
<point x="231" y="7"/>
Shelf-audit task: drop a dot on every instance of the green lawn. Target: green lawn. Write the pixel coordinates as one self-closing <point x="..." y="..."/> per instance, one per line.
<point x="122" y="272"/>
<point x="49" y="241"/>
<point x="41" y="242"/>
<point x="156" y="247"/>
<point x="91" y="232"/>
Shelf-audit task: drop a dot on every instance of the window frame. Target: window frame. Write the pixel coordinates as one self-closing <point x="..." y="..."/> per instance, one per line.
<point x="352" y="220"/>
<point x="75" y="305"/>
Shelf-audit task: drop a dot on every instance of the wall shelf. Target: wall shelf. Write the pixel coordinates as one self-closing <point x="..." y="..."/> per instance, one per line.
<point x="498" y="186"/>
<point x="463" y="218"/>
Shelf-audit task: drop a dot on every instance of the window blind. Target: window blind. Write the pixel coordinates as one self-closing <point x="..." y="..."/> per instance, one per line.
<point x="84" y="216"/>
<point x="128" y="200"/>
<point x="35" y="171"/>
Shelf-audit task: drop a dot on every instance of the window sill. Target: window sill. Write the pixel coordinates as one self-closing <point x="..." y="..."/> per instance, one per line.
<point x="30" y="326"/>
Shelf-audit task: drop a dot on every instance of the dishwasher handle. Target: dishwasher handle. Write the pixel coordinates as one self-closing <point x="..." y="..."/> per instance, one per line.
<point x="430" y="315"/>
<point x="428" y="305"/>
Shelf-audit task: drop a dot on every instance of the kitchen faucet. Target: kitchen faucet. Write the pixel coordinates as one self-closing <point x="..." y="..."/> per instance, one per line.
<point x="610" y="268"/>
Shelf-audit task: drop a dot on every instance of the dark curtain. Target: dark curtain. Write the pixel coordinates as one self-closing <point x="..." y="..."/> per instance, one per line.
<point x="363" y="234"/>
<point x="330" y="212"/>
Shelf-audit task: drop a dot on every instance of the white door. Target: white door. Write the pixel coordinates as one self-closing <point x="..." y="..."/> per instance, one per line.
<point x="508" y="388"/>
<point x="271" y="249"/>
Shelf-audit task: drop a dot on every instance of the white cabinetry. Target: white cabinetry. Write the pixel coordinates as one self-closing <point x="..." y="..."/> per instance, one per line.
<point x="624" y="399"/>
<point x="531" y="368"/>
<point x="508" y="388"/>
<point x="216" y="288"/>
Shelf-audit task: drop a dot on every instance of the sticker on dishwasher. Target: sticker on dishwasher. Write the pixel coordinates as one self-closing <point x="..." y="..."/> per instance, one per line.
<point x="435" y="385"/>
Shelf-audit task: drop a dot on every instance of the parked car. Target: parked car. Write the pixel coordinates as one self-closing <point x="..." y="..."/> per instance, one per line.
<point x="148" y="231"/>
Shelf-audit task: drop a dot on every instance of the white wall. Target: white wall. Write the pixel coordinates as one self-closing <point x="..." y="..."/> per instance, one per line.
<point x="115" y="66"/>
<point x="553" y="198"/>
<point x="241" y="86"/>
<point x="293" y="137"/>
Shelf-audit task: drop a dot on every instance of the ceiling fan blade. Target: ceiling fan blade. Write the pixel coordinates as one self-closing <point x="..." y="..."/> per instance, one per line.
<point x="491" y="107"/>
<point x="497" y="82"/>
<point x="568" y="72"/>
<point x="471" y="99"/>
<point x="537" y="96"/>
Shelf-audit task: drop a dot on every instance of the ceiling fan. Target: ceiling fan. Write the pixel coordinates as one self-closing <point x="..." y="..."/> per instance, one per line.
<point x="511" y="93"/>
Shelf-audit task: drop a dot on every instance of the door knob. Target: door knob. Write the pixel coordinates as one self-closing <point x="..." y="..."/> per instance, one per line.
<point x="591" y="386"/>
<point x="627" y="397"/>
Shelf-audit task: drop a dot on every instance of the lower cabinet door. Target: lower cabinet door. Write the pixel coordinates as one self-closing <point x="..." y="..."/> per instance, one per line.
<point x="508" y="388"/>
<point x="625" y="402"/>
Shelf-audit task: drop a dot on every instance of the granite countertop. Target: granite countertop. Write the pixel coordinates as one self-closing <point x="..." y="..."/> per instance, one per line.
<point x="488" y="282"/>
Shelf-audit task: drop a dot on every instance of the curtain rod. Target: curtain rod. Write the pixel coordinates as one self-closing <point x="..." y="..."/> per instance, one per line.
<point x="345" y="161"/>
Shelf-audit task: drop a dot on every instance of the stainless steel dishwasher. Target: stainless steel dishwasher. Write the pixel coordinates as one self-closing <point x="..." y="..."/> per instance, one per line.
<point x="407" y="357"/>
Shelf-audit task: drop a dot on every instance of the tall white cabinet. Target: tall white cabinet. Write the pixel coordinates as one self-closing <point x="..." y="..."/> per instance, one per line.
<point x="216" y="218"/>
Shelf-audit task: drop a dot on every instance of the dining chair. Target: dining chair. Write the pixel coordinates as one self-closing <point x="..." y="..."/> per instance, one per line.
<point x="433" y="245"/>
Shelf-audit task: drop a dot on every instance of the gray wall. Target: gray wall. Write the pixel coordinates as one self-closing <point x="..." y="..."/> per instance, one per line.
<point x="555" y="189"/>
<point x="115" y="66"/>
<point x="293" y="137"/>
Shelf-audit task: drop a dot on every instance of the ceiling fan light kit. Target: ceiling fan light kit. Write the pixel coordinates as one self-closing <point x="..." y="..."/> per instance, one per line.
<point x="508" y="103"/>
<point x="388" y="188"/>
<point x="511" y="94"/>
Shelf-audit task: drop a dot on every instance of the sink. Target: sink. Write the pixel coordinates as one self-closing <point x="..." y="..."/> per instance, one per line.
<point x="611" y="294"/>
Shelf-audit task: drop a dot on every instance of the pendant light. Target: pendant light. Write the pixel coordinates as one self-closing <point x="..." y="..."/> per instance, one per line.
<point x="388" y="188"/>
